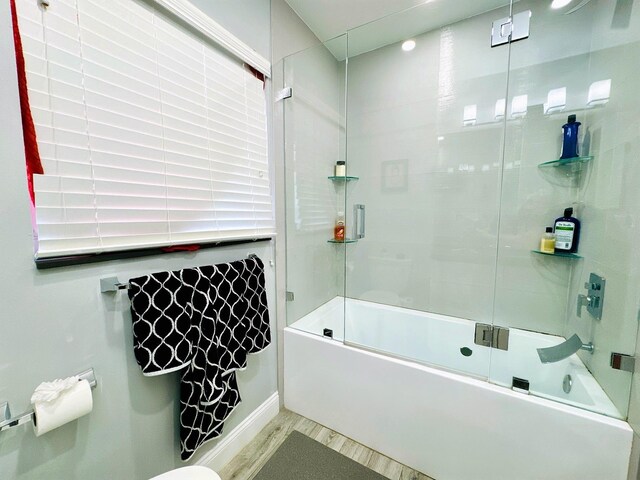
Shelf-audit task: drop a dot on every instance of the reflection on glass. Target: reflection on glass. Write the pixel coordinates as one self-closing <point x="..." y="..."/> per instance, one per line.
<point x="599" y="93"/>
<point x="556" y="100"/>
<point x="519" y="106"/>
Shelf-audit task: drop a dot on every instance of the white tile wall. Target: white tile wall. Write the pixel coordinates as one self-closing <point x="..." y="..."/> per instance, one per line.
<point x="604" y="194"/>
<point x="611" y="202"/>
<point x="430" y="244"/>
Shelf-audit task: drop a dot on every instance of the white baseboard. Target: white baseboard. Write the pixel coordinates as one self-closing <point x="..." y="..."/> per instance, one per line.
<point x="239" y="437"/>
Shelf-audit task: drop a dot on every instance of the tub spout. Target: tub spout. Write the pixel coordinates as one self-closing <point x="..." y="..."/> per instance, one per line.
<point x="589" y="347"/>
<point x="564" y="350"/>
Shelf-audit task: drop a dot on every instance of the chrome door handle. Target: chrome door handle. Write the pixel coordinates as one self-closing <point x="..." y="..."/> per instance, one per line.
<point x="358" y="219"/>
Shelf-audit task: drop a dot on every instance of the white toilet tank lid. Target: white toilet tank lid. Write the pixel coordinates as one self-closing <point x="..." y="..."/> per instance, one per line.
<point x="189" y="473"/>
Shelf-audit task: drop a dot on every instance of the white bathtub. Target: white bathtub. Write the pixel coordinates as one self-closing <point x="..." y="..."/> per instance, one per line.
<point x="443" y="423"/>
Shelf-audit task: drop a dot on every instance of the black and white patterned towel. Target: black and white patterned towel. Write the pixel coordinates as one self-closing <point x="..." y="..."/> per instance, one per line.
<point x="228" y="306"/>
<point x="202" y="423"/>
<point x="235" y="322"/>
<point x="258" y="333"/>
<point x="228" y="318"/>
<point x="161" y="314"/>
<point x="238" y="304"/>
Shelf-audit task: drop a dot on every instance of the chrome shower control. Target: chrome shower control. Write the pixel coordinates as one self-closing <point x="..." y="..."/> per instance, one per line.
<point x="583" y="301"/>
<point x="594" y="300"/>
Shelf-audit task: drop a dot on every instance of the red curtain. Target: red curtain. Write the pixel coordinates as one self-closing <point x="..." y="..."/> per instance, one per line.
<point x="257" y="74"/>
<point x="32" y="155"/>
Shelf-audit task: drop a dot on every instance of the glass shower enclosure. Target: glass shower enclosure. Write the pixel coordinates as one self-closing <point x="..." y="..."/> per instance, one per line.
<point x="453" y="172"/>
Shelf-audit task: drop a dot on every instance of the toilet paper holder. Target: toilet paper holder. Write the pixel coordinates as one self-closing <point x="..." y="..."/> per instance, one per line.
<point x="7" y="421"/>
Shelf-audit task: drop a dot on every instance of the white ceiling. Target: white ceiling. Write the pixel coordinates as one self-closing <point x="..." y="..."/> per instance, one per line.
<point x="330" y="18"/>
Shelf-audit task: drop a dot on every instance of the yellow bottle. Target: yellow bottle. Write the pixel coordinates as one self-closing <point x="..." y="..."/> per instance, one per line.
<point x="548" y="241"/>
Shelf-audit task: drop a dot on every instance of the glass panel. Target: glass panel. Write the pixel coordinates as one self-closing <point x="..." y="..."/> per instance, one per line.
<point x="457" y="180"/>
<point x="425" y="134"/>
<point x="314" y="142"/>
<point x="582" y="62"/>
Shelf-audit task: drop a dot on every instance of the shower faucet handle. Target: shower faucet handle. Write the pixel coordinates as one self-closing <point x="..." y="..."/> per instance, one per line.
<point x="583" y="301"/>
<point x="592" y="286"/>
<point x="594" y="299"/>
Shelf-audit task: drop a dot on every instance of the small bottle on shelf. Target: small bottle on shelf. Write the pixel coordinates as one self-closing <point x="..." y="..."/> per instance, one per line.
<point x="548" y="241"/>
<point x="340" y="169"/>
<point x="338" y="229"/>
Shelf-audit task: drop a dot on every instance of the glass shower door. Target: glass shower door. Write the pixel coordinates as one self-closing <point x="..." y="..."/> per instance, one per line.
<point x="453" y="172"/>
<point x="425" y="130"/>
<point x="578" y="61"/>
<point x="313" y="102"/>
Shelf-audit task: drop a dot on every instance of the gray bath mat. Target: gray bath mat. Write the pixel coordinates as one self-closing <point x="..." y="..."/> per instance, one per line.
<point x="301" y="458"/>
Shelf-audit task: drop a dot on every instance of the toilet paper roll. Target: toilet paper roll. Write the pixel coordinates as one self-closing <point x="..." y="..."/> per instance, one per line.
<point x="71" y="404"/>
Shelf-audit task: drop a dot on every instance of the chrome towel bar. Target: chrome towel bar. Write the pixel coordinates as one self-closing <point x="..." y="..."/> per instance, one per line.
<point x="112" y="284"/>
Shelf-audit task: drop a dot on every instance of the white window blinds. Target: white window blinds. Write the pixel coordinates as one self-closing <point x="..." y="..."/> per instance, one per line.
<point x="149" y="135"/>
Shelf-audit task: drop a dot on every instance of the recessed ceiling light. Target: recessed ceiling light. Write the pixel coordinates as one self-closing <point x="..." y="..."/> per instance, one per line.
<point x="409" y="45"/>
<point x="560" y="3"/>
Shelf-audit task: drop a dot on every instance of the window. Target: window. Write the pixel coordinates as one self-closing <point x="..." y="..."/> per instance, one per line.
<point x="149" y="135"/>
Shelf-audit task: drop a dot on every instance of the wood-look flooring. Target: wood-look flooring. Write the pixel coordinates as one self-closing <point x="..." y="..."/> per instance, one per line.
<point x="251" y="459"/>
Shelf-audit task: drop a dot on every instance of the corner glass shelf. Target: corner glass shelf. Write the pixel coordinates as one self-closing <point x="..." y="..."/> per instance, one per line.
<point x="348" y="240"/>
<point x="566" y="161"/>
<point x="558" y="254"/>
<point x="343" y="178"/>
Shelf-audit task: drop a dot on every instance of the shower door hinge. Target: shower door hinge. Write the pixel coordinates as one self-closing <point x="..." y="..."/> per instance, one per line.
<point x="290" y="297"/>
<point x="286" y="92"/>
<point x="620" y="361"/>
<point x="510" y="29"/>
<point x="492" y="336"/>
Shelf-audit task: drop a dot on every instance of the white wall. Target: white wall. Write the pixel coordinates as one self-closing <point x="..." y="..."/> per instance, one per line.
<point x="56" y="323"/>
<point x="289" y="34"/>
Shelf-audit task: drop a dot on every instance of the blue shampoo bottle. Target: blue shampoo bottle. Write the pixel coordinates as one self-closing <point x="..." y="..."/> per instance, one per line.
<point x="570" y="138"/>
